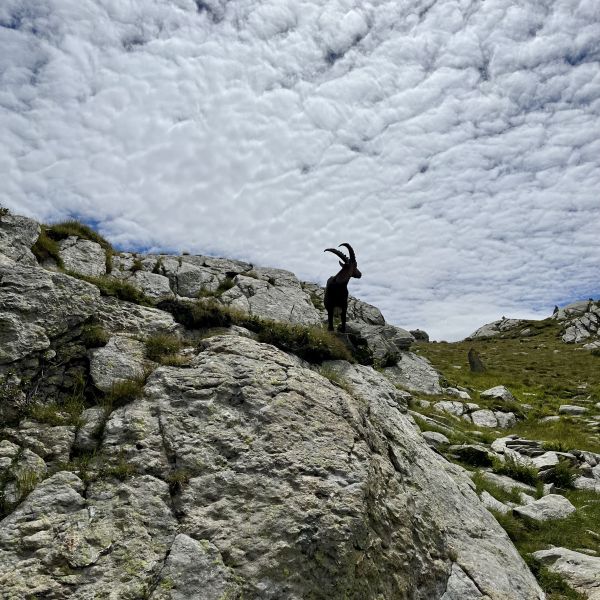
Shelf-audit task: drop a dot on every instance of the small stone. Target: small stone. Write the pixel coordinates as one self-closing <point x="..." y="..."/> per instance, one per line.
<point x="450" y="407"/>
<point x="505" y="419"/>
<point x="492" y="504"/>
<point x="498" y="393"/>
<point x="571" y="409"/>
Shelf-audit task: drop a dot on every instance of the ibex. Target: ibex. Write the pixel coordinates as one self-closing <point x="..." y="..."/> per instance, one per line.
<point x="336" y="290"/>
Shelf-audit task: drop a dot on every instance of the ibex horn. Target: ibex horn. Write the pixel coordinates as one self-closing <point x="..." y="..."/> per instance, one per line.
<point x="337" y="253"/>
<point x="352" y="255"/>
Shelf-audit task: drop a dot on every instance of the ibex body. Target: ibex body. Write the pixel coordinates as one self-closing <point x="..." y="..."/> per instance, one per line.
<point x="336" y="290"/>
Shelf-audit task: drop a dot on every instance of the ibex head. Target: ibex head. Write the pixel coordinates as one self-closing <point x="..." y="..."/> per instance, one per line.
<point x="349" y="266"/>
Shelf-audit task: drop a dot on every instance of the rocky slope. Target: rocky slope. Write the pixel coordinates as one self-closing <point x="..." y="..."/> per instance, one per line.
<point x="231" y="470"/>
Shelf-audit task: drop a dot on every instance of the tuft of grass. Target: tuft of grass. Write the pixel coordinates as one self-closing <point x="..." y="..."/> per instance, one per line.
<point x="225" y="285"/>
<point x="67" y="413"/>
<point x="563" y="474"/>
<point x="125" y="391"/>
<point x="335" y="378"/>
<point x="46" y="248"/>
<point x="117" y="288"/>
<point x="137" y="265"/>
<point x="94" y="336"/>
<point x="122" y="470"/>
<point x="482" y="484"/>
<point x="516" y="470"/>
<point x="162" y="346"/>
<point x="566" y="433"/>
<point x="177" y="479"/>
<point x="317" y="301"/>
<point x="313" y="344"/>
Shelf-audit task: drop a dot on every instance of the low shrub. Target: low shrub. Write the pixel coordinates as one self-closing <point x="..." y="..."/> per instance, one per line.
<point x="46" y="248"/>
<point x="225" y="285"/>
<point x="94" y="336"/>
<point x="125" y="391"/>
<point x="161" y="346"/>
<point x="109" y="286"/>
<point x="516" y="470"/>
<point x="563" y="474"/>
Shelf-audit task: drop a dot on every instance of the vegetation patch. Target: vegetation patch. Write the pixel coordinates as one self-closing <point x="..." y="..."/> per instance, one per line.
<point x="117" y="288"/>
<point x="46" y="248"/>
<point x="563" y="475"/>
<point x="66" y="413"/>
<point x="162" y="347"/>
<point x="555" y="587"/>
<point x="502" y="495"/>
<point x="125" y="391"/>
<point x="335" y="378"/>
<point x="516" y="470"/>
<point x="94" y="336"/>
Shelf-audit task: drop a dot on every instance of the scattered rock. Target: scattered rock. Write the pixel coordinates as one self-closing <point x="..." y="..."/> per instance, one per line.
<point x="415" y="374"/>
<point x="498" y="393"/>
<point x="484" y="418"/>
<point x="496" y="328"/>
<point x="570" y="409"/>
<point x="506" y="420"/>
<point x="17" y="236"/>
<point x="492" y="504"/>
<point x="552" y="506"/>
<point x="581" y="571"/>
<point x="420" y="335"/>
<point x="450" y="407"/>
<point x="472" y="454"/>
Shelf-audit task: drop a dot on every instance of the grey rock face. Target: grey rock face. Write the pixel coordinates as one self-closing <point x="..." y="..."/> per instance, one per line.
<point x="37" y="305"/>
<point x="435" y="439"/>
<point x="506" y="420"/>
<point x="581" y="571"/>
<point x="414" y="373"/>
<point x="117" y="316"/>
<point x="83" y="256"/>
<point x="552" y="506"/>
<point x="93" y="420"/>
<point x="122" y="358"/>
<point x="268" y="424"/>
<point x="58" y="544"/>
<point x="581" y="321"/>
<point x="450" y="407"/>
<point x="52" y="443"/>
<point x="281" y="303"/>
<point x="492" y="504"/>
<point x="17" y="236"/>
<point x="383" y="340"/>
<point x="194" y="570"/>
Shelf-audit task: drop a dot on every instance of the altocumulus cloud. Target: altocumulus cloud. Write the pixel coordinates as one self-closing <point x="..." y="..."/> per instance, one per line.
<point x="455" y="144"/>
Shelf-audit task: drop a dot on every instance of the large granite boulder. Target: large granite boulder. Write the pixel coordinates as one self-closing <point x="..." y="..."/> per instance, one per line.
<point x="280" y="297"/>
<point x="38" y="305"/>
<point x="414" y="373"/>
<point x="83" y="256"/>
<point x="17" y="236"/>
<point x="495" y="328"/>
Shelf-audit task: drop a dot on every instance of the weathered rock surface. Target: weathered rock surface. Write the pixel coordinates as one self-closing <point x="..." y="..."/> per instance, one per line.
<point x="552" y="506"/>
<point x="385" y="341"/>
<point x="581" y="571"/>
<point x="37" y="305"/>
<point x="498" y="393"/>
<point x="435" y="439"/>
<point x="496" y="328"/>
<point x="121" y="359"/>
<point x="17" y="236"/>
<point x="83" y="256"/>
<point x="414" y="373"/>
<point x="484" y="418"/>
<point x="571" y="409"/>
<point x="581" y="321"/>
<point x="287" y="302"/>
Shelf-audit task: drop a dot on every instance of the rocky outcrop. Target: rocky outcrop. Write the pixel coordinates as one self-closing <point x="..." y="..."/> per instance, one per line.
<point x="17" y="236"/>
<point x="580" y="570"/>
<point x="244" y="472"/>
<point x="38" y="305"/>
<point x="495" y="328"/>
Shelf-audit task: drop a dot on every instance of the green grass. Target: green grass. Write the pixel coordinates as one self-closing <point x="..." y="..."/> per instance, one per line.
<point x="125" y="391"/>
<point x="313" y="344"/>
<point x="553" y="584"/>
<point x="94" y="336"/>
<point x="515" y="470"/>
<point x="116" y="288"/>
<point x="66" y="413"/>
<point x="540" y="370"/>
<point x="335" y="378"/>
<point x="122" y="470"/>
<point x="163" y="348"/>
<point x="46" y="248"/>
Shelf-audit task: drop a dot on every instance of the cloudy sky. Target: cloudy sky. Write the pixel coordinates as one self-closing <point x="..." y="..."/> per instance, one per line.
<point x="454" y="143"/>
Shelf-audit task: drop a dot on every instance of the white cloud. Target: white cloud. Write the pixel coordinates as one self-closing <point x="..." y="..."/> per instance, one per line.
<point x="455" y="144"/>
